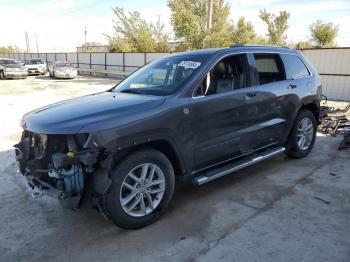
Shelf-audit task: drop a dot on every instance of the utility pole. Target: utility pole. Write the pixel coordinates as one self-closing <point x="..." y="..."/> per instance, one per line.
<point x="210" y="14"/>
<point x="37" y="46"/>
<point x="85" y="39"/>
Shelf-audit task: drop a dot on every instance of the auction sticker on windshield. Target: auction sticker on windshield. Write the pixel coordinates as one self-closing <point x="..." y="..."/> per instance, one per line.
<point x="190" y="64"/>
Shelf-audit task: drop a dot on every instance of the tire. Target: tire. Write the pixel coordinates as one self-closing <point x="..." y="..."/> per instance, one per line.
<point x="295" y="147"/>
<point x="2" y="75"/>
<point x="136" y="217"/>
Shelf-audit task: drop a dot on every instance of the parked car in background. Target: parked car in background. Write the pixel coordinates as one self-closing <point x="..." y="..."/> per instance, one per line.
<point x="9" y="68"/>
<point x="62" y="69"/>
<point x="35" y="66"/>
<point x="193" y="116"/>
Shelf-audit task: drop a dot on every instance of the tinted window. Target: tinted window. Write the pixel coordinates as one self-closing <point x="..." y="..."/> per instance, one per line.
<point x="294" y="66"/>
<point x="63" y="65"/>
<point x="270" y="68"/>
<point x="227" y="75"/>
<point x="34" y="62"/>
<point x="7" y="61"/>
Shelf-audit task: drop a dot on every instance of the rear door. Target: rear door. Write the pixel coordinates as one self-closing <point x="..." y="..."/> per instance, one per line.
<point x="300" y="83"/>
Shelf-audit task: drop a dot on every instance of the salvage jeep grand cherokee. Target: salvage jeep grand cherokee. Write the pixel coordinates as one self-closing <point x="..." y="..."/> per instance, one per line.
<point x="194" y="116"/>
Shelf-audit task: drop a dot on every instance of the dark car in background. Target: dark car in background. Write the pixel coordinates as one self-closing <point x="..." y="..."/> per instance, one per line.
<point x="193" y="117"/>
<point x="9" y="68"/>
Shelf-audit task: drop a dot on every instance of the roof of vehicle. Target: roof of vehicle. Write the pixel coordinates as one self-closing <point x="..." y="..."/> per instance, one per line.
<point x="5" y="58"/>
<point x="238" y="48"/>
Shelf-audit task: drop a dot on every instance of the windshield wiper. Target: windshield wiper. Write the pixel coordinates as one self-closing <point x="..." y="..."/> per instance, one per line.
<point x="131" y="91"/>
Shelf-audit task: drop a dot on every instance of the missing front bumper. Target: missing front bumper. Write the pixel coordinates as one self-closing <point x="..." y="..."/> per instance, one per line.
<point x="52" y="172"/>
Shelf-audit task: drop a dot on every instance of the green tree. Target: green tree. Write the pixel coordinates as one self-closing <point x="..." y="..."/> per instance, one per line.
<point x="188" y="18"/>
<point x="323" y="34"/>
<point x="276" y="26"/>
<point x="243" y="32"/>
<point x="303" y="44"/>
<point x="119" y="44"/>
<point x="260" y="40"/>
<point x="134" y="34"/>
<point x="10" y="49"/>
<point x="161" y="37"/>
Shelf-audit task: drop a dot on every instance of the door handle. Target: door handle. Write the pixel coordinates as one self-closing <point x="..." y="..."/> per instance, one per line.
<point x="291" y="86"/>
<point x="249" y="95"/>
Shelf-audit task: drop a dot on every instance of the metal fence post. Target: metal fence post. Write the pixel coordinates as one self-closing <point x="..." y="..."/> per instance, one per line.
<point x="106" y="63"/>
<point x="78" y="62"/>
<point x="123" y="64"/>
<point x="90" y="63"/>
<point x="145" y="58"/>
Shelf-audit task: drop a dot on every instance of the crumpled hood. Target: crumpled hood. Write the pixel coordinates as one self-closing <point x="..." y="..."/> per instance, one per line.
<point x="89" y="113"/>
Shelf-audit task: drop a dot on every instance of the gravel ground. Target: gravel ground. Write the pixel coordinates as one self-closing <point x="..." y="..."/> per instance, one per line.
<point x="279" y="210"/>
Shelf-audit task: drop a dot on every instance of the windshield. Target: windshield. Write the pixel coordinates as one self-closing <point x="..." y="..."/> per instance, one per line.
<point x="63" y="65"/>
<point x="7" y="62"/>
<point x="163" y="76"/>
<point x="34" y="62"/>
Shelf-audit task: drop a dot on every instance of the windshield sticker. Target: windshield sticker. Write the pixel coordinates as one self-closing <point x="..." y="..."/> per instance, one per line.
<point x="190" y="64"/>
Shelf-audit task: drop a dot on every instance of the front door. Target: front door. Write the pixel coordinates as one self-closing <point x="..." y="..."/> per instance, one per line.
<point x="220" y="113"/>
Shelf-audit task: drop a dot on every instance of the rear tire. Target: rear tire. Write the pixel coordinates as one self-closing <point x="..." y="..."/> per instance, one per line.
<point x="303" y="134"/>
<point x="142" y="187"/>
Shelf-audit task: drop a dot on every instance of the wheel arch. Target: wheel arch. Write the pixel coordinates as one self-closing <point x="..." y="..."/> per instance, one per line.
<point x="313" y="108"/>
<point x="165" y="146"/>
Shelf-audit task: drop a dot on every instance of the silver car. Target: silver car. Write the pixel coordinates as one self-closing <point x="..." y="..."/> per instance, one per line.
<point x="35" y="66"/>
<point x="62" y="69"/>
<point x="9" y="68"/>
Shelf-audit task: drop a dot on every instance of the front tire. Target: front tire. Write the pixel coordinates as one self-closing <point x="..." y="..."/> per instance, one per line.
<point x="142" y="187"/>
<point x="303" y="134"/>
<point x="2" y="75"/>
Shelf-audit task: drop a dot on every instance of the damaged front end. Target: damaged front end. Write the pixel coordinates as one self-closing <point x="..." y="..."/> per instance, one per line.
<point x="57" y="165"/>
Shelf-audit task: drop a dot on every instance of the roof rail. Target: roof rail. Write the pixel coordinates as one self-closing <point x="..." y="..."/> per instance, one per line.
<point x="261" y="46"/>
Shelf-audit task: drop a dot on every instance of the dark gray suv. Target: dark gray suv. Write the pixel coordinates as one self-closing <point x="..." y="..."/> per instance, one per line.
<point x="193" y="116"/>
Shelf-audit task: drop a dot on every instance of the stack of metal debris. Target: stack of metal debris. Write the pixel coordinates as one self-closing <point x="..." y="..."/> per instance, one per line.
<point x="335" y="121"/>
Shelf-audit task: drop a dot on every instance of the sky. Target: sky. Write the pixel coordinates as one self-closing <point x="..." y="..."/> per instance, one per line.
<point x="58" y="25"/>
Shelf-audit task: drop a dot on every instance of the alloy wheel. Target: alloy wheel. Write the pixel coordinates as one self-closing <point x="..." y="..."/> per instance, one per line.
<point x="142" y="190"/>
<point x="305" y="133"/>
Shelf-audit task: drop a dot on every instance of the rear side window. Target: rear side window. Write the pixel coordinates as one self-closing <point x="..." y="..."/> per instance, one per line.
<point x="270" y="68"/>
<point x="295" y="68"/>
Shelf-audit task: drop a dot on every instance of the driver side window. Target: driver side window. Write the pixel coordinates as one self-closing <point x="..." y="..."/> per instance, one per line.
<point x="227" y="75"/>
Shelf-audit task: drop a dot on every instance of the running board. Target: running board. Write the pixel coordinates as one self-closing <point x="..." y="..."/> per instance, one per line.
<point x="214" y="174"/>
